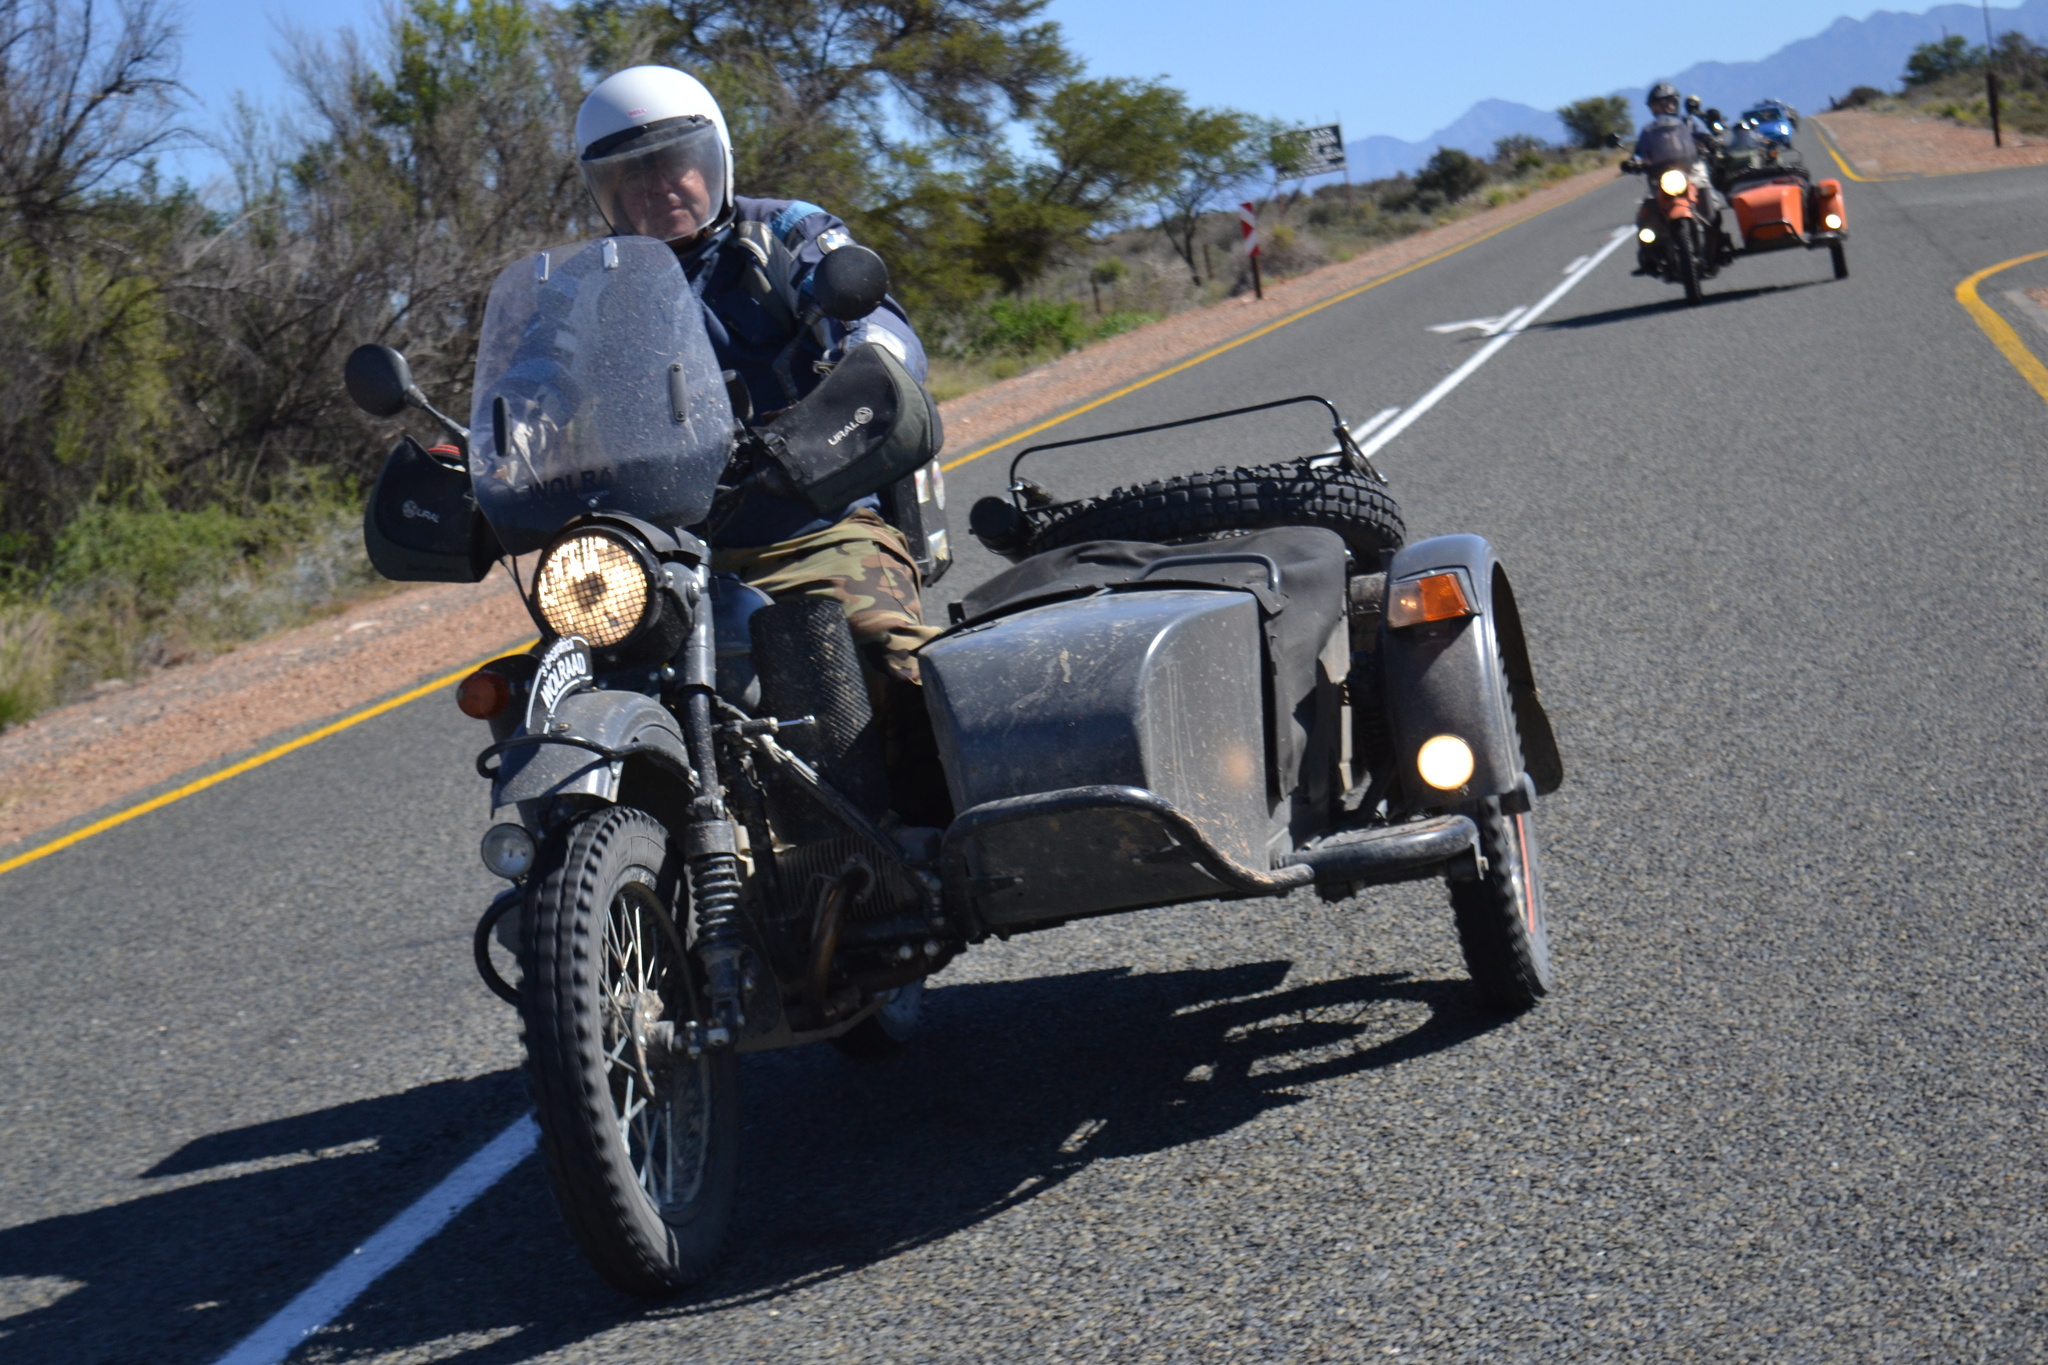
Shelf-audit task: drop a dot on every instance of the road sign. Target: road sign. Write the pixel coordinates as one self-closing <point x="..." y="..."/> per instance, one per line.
<point x="1248" y="227"/>
<point x="1322" y="149"/>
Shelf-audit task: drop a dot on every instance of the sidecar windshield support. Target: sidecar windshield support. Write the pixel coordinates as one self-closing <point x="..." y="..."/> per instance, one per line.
<point x="1354" y="455"/>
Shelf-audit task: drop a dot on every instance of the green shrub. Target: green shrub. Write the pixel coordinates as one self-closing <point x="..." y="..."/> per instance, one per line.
<point x="29" y="661"/>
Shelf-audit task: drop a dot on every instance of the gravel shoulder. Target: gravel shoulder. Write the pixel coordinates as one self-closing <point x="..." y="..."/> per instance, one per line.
<point x="1906" y="144"/>
<point x="134" y="739"/>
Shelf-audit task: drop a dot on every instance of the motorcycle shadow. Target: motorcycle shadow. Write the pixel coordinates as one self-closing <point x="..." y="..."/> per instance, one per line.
<point x="1012" y="1089"/>
<point x="1677" y="301"/>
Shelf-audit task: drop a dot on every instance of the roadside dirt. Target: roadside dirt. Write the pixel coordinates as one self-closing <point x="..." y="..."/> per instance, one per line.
<point x="1909" y="144"/>
<point x="132" y="738"/>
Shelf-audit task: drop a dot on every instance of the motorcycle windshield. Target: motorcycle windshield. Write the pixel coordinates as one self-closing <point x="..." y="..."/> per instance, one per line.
<point x="1664" y="144"/>
<point x="596" y="390"/>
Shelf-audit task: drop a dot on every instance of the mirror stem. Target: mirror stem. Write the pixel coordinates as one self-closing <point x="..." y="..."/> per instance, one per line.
<point x="782" y="374"/>
<point x="415" y="398"/>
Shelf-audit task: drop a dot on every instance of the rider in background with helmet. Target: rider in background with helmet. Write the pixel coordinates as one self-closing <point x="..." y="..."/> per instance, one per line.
<point x="657" y="160"/>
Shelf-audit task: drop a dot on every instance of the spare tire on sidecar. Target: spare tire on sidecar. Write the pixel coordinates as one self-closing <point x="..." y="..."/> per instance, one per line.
<point x="1234" y="684"/>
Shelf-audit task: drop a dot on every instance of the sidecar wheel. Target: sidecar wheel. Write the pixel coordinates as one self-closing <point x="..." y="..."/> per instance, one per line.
<point x="886" y="1031"/>
<point x="645" y="1181"/>
<point x="1501" y="921"/>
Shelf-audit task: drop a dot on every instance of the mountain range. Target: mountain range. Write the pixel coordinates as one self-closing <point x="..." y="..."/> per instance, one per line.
<point x="1806" y="74"/>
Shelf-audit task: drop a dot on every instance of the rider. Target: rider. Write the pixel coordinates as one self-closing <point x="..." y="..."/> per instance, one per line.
<point x="657" y="160"/>
<point x="1663" y="102"/>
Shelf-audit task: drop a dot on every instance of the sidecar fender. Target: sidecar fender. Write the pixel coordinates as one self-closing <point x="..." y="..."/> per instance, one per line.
<point x="615" y="720"/>
<point x="1470" y="677"/>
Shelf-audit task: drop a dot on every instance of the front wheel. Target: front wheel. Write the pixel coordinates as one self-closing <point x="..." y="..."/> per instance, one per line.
<point x="1840" y="255"/>
<point x="641" y="1141"/>
<point x="1685" y="246"/>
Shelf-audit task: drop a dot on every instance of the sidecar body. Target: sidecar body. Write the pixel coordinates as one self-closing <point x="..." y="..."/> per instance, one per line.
<point x="1126" y="724"/>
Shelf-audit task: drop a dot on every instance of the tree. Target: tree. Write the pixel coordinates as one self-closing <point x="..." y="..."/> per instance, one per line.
<point x="1519" y="152"/>
<point x="1931" y="62"/>
<point x="1593" y="121"/>
<point x="1219" y="150"/>
<point x="1451" y="173"/>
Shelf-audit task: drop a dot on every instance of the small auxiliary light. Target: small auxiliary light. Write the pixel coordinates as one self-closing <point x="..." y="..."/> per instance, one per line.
<point x="1645" y="236"/>
<point x="1833" y="222"/>
<point x="508" y="850"/>
<point x="1437" y="597"/>
<point x="483" y="694"/>
<point x="1445" y="762"/>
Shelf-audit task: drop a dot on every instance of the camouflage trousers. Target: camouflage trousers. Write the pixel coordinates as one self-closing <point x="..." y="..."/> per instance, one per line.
<point x="863" y="564"/>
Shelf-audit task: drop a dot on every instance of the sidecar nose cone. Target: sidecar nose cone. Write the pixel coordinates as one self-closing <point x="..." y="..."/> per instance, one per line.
<point x="507" y="851"/>
<point x="1445" y="762"/>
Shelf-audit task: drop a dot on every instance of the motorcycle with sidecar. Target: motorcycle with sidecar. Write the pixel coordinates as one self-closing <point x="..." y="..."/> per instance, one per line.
<point x="1679" y="234"/>
<point x="1221" y="687"/>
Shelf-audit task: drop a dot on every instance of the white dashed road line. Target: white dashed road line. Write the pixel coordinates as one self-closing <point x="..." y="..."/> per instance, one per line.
<point x="392" y="1243"/>
<point x="1586" y="266"/>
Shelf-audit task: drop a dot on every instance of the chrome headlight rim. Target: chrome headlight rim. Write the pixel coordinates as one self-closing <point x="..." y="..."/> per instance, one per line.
<point x="642" y="556"/>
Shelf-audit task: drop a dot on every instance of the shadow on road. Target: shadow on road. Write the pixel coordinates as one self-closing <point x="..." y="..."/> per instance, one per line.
<point x="1013" y="1088"/>
<point x="1675" y="301"/>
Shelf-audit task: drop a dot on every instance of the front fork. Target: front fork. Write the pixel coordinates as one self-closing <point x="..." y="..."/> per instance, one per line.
<point x="710" y="844"/>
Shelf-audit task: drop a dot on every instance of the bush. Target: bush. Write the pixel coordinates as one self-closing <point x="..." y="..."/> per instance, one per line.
<point x="1022" y="327"/>
<point x="1451" y="174"/>
<point x="1931" y="62"/>
<point x="1858" y="97"/>
<point x="29" y="660"/>
<point x="1592" y="121"/>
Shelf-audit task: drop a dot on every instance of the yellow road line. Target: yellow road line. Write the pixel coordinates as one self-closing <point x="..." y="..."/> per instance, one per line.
<point x="122" y="817"/>
<point x="1999" y="330"/>
<point x="1270" y="327"/>
<point x="1827" y="141"/>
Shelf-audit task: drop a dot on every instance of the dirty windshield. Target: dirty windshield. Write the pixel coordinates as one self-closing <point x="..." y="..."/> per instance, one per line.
<point x="596" y="390"/>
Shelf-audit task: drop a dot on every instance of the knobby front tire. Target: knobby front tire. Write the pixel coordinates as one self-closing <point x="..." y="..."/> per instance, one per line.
<point x="645" y="1181"/>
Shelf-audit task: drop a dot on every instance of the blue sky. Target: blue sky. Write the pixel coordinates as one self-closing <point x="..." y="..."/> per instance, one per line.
<point x="1400" y="69"/>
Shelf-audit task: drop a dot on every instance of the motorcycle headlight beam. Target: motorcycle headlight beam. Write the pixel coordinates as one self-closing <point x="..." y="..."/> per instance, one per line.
<point x="1673" y="182"/>
<point x="1646" y="235"/>
<point x="590" y="583"/>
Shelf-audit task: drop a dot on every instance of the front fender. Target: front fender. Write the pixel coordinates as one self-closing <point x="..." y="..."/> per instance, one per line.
<point x="1469" y="677"/>
<point x="615" y="720"/>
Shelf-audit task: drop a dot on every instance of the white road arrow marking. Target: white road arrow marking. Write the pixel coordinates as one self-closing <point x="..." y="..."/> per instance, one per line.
<point x="1576" y="264"/>
<point x="1486" y="327"/>
<point x="1487" y="352"/>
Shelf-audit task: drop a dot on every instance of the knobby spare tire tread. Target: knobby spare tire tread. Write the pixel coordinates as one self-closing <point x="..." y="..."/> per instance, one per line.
<point x="1191" y="506"/>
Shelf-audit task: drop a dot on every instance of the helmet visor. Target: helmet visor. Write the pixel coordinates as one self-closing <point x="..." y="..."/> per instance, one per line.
<point x="668" y="184"/>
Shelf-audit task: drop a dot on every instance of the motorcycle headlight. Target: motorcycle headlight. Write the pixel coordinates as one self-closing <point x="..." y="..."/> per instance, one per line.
<point x="1645" y="236"/>
<point x="592" y="584"/>
<point x="1673" y="182"/>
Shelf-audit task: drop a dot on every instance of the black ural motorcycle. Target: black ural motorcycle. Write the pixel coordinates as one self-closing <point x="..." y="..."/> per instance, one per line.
<point x="1223" y="686"/>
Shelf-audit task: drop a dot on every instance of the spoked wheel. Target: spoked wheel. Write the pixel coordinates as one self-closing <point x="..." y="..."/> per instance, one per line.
<point x="642" y="1141"/>
<point x="1501" y="922"/>
<point x="1685" y="242"/>
<point x="885" y="1032"/>
<point x="1840" y="255"/>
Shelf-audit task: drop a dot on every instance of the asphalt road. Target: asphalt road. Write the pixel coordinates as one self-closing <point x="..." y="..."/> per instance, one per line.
<point x="1780" y="557"/>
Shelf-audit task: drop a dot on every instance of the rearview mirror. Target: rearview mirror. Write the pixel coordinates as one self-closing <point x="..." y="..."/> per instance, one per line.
<point x="378" y="379"/>
<point x="1614" y="139"/>
<point x="849" y="283"/>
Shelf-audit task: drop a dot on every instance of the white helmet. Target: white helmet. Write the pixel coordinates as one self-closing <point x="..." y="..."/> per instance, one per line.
<point x="655" y="154"/>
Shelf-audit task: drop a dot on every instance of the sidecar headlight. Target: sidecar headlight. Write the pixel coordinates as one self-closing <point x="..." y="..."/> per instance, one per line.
<point x="1833" y="222"/>
<point x="593" y="585"/>
<point x="1445" y="762"/>
<point x="1673" y="182"/>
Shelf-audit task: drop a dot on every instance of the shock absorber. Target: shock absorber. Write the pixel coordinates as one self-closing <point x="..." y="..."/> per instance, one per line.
<point x="710" y="847"/>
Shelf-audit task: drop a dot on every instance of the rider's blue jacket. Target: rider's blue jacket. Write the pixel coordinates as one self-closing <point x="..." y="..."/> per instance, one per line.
<point x="748" y="307"/>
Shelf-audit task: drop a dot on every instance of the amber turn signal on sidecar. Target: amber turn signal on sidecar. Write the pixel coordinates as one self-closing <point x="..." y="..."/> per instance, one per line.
<point x="1437" y="597"/>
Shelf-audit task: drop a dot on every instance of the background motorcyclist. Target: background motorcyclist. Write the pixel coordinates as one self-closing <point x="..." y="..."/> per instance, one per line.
<point x="657" y="160"/>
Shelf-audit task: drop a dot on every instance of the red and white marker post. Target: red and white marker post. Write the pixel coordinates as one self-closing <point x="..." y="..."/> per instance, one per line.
<point x="1248" y="228"/>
